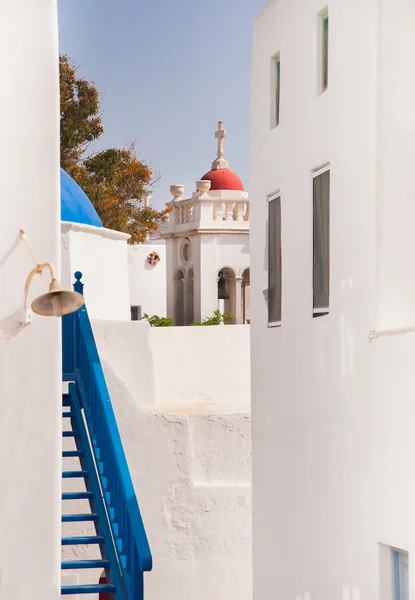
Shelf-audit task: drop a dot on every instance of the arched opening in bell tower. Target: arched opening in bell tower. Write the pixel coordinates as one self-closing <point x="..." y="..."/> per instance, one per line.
<point x="179" y="298"/>
<point x="226" y="291"/>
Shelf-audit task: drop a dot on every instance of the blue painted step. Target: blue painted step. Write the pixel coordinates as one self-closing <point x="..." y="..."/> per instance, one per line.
<point x="75" y="474"/>
<point x="77" y="496"/>
<point x="98" y="518"/>
<point x="79" y="541"/>
<point x="72" y="453"/>
<point x="85" y="564"/>
<point x="87" y="589"/>
<point x="77" y="518"/>
<point x="66" y="401"/>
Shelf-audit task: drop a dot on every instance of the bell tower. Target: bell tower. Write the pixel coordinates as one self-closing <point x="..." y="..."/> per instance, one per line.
<point x="207" y="246"/>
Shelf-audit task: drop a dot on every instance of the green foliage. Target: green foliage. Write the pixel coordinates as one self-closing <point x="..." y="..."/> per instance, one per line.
<point x="115" y="180"/>
<point x="156" y="321"/>
<point x="216" y="319"/>
<point x="80" y="121"/>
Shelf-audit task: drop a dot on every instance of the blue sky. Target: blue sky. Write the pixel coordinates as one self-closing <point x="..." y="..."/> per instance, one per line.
<point x="168" y="71"/>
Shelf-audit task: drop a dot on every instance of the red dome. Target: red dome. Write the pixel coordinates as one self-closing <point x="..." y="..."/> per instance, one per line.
<point x="224" y="179"/>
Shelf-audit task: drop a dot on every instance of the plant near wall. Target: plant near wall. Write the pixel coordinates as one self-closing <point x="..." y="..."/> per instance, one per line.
<point x="156" y="321"/>
<point x="216" y="319"/>
<point x="153" y="258"/>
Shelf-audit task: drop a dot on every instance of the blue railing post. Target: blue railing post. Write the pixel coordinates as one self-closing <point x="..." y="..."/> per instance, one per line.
<point x="78" y="286"/>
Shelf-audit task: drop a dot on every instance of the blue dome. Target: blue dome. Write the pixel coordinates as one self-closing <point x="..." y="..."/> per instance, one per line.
<point x="76" y="207"/>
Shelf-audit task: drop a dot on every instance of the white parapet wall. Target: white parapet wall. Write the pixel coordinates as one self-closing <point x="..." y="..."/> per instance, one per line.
<point x="182" y="401"/>
<point x="100" y="254"/>
<point x="179" y="366"/>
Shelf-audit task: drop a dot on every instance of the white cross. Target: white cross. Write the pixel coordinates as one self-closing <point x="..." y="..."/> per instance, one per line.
<point x="220" y="135"/>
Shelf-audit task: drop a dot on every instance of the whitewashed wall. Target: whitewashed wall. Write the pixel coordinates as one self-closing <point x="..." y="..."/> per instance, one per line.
<point x="148" y="282"/>
<point x="30" y="373"/>
<point x="332" y="412"/>
<point x="101" y="255"/>
<point x="187" y="436"/>
<point x="179" y="366"/>
<point x="394" y="390"/>
<point x="396" y="139"/>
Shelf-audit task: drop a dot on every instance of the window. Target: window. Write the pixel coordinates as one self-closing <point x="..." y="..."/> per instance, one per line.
<point x="323" y="24"/>
<point x="321" y="241"/>
<point x="135" y="313"/>
<point x="275" y="90"/>
<point x="400" y="575"/>
<point x="274" y="261"/>
<point x="186" y="250"/>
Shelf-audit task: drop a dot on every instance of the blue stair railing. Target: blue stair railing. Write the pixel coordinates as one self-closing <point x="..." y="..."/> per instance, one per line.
<point x="82" y="366"/>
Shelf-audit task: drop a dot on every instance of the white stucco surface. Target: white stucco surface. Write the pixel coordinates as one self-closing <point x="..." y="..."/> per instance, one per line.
<point x="30" y="373"/>
<point x="191" y="467"/>
<point x="179" y="366"/>
<point x="332" y="411"/>
<point x="101" y="256"/>
<point x="148" y="282"/>
<point x="182" y="407"/>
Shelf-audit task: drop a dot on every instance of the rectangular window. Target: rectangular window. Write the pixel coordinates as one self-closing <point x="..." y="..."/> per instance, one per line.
<point x="323" y="20"/>
<point x="321" y="242"/>
<point x="400" y="575"/>
<point x="275" y="90"/>
<point x="274" y="261"/>
<point x="135" y="313"/>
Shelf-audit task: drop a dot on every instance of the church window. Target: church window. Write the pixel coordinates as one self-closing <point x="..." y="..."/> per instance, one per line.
<point x="321" y="241"/>
<point x="186" y="250"/>
<point x="323" y="50"/>
<point x="276" y="90"/>
<point x="274" y="261"/>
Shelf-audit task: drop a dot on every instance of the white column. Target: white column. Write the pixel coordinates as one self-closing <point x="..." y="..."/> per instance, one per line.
<point x="238" y="300"/>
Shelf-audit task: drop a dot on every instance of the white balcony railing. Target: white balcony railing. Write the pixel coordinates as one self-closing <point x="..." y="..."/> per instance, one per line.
<point x="186" y="211"/>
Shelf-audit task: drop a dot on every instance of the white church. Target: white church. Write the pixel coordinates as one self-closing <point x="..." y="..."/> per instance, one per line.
<point x="207" y="233"/>
<point x="203" y="250"/>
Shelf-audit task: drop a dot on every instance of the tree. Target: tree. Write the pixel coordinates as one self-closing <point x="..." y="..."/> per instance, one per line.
<point x="80" y="121"/>
<point x="115" y="180"/>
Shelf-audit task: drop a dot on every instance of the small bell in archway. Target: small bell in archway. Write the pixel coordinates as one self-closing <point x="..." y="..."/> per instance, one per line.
<point x="222" y="293"/>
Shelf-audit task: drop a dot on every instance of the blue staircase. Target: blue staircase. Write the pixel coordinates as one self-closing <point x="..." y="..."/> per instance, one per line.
<point x="93" y="458"/>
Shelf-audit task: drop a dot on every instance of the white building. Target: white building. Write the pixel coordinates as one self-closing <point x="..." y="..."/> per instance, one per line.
<point x="207" y="244"/>
<point x="333" y="301"/>
<point x="30" y="380"/>
<point x="148" y="282"/>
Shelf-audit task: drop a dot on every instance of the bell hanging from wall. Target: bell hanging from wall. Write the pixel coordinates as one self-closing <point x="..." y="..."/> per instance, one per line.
<point x="222" y="293"/>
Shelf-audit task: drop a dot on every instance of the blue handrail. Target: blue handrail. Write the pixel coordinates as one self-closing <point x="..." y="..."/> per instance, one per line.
<point x="82" y="365"/>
